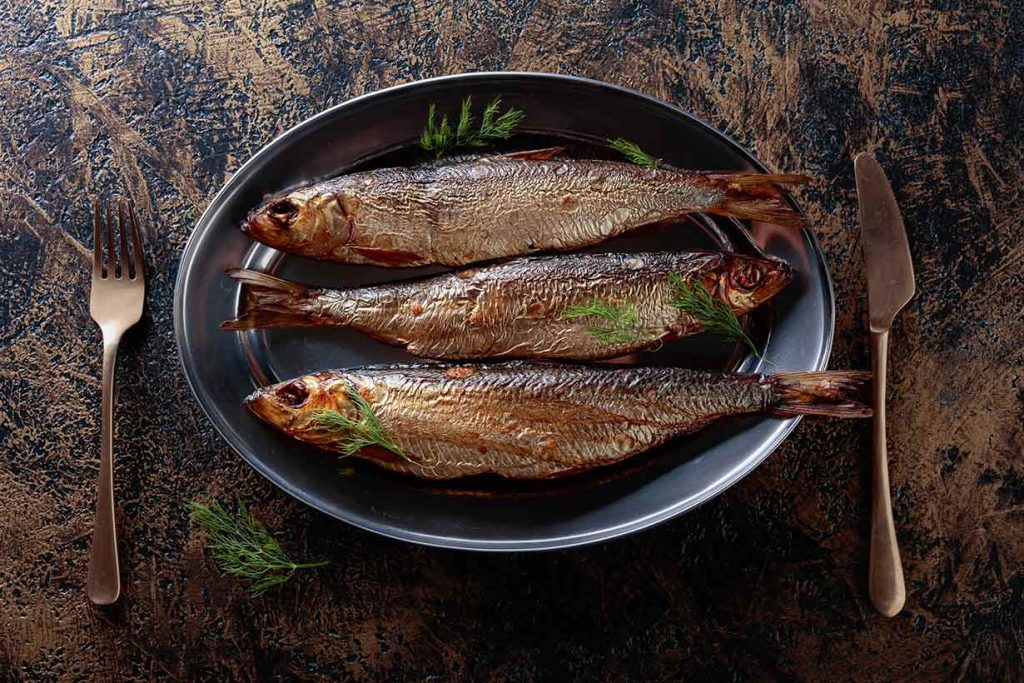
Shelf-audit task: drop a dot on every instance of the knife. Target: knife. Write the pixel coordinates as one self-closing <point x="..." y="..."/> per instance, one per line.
<point x="890" y="276"/>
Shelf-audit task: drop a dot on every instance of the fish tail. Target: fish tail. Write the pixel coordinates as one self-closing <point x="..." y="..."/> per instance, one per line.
<point x="835" y="393"/>
<point x="270" y="302"/>
<point x="759" y="197"/>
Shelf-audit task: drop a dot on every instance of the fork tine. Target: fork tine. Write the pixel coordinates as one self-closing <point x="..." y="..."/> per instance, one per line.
<point x="111" y="252"/>
<point x="136" y="240"/>
<point x="97" y="240"/>
<point x="122" y="228"/>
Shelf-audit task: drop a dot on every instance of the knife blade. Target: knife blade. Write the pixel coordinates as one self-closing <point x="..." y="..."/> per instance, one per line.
<point x="890" y="276"/>
<point x="890" y="272"/>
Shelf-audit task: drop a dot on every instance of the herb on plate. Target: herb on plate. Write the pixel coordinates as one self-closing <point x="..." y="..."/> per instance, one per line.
<point x="714" y="315"/>
<point x="623" y="323"/>
<point x="633" y="153"/>
<point x="441" y="138"/>
<point x="368" y="430"/>
<point x="243" y="547"/>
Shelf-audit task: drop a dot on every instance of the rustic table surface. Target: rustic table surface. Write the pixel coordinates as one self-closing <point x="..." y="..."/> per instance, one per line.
<point x="163" y="100"/>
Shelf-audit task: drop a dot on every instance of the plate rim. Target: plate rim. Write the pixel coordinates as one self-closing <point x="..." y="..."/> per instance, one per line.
<point x="459" y="543"/>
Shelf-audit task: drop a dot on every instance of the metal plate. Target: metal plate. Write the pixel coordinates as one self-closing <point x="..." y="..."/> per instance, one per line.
<point x="483" y="515"/>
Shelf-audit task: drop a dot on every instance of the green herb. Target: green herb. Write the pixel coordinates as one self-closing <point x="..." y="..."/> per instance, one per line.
<point x="346" y="471"/>
<point x="633" y="153"/>
<point x="439" y="137"/>
<point x="714" y="315"/>
<point x="495" y="126"/>
<point x="368" y="430"/>
<point x="243" y="547"/>
<point x="623" y="327"/>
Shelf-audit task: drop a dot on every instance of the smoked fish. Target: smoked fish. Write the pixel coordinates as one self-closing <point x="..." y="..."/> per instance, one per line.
<point x="471" y="209"/>
<point x="530" y="421"/>
<point x="523" y="308"/>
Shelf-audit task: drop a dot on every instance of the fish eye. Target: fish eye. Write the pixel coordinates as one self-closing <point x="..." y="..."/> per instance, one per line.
<point x="283" y="210"/>
<point x="293" y="394"/>
<point x="747" y="277"/>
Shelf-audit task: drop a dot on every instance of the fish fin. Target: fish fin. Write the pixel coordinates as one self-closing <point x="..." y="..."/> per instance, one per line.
<point x="533" y="154"/>
<point x="834" y="393"/>
<point x="759" y="197"/>
<point x="389" y="257"/>
<point x="765" y="184"/>
<point x="269" y="302"/>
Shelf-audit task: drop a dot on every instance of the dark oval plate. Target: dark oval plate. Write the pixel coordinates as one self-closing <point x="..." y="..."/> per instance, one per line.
<point x="484" y="514"/>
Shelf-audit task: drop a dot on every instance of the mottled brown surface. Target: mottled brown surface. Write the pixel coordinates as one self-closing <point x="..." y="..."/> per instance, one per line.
<point x="163" y="101"/>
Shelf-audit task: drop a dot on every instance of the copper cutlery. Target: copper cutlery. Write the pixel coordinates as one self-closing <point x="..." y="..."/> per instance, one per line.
<point x="890" y="276"/>
<point x="115" y="303"/>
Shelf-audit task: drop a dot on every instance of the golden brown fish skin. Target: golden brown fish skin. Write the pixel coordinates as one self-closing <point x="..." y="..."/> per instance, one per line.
<point x="483" y="208"/>
<point x="517" y="309"/>
<point x="534" y="421"/>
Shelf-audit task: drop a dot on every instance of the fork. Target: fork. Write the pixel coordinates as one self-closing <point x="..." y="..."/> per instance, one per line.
<point x="115" y="304"/>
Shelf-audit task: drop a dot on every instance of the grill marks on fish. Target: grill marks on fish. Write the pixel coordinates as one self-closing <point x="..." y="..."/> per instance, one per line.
<point x="520" y="420"/>
<point x="516" y="308"/>
<point x="482" y="208"/>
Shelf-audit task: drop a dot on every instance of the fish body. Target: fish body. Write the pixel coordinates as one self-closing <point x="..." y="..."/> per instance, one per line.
<point x="535" y="421"/>
<point x="522" y="308"/>
<point x="482" y="208"/>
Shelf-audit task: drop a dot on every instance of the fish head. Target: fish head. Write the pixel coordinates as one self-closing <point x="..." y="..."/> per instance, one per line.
<point x="746" y="282"/>
<point x="297" y="406"/>
<point x="308" y="222"/>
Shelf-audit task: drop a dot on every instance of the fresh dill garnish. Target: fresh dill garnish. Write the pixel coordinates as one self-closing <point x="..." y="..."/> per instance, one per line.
<point x="368" y="430"/>
<point x="495" y="126"/>
<point x="633" y="153"/>
<point x="439" y="137"/>
<point x="243" y="547"/>
<point x="623" y="323"/>
<point x="715" y="316"/>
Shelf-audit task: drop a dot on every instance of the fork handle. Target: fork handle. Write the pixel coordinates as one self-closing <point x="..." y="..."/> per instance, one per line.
<point x="104" y="582"/>
<point x="885" y="577"/>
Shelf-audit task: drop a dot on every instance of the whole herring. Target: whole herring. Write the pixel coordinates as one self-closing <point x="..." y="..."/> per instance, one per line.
<point x="522" y="308"/>
<point x="530" y="421"/>
<point x="480" y="208"/>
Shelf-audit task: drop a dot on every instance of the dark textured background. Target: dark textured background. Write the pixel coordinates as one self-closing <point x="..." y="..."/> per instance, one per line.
<point x="163" y="100"/>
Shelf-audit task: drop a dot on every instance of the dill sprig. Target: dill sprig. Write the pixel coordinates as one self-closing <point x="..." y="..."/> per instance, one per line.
<point x="368" y="430"/>
<point x="623" y="322"/>
<point x="633" y="153"/>
<point x="495" y="126"/>
<point x="440" y="138"/>
<point x="243" y="547"/>
<point x="714" y="315"/>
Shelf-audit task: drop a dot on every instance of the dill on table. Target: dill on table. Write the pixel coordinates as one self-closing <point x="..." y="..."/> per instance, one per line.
<point x="714" y="315"/>
<point x="367" y="430"/>
<point x="243" y="547"/>
<point x="633" y="153"/>
<point x="623" y="323"/>
<point x="440" y="137"/>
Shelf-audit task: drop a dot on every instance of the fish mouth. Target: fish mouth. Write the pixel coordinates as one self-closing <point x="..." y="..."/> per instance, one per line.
<point x="263" y="225"/>
<point x="264" y="404"/>
<point x="255" y="402"/>
<point x="259" y="226"/>
<point x="281" y="405"/>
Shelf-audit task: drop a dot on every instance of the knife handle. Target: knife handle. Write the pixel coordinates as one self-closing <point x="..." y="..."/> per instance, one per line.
<point x="885" y="578"/>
